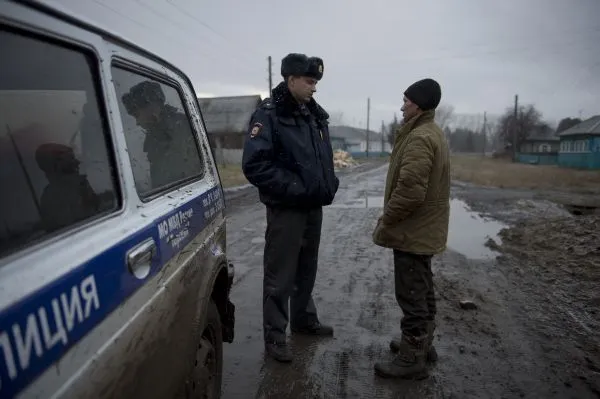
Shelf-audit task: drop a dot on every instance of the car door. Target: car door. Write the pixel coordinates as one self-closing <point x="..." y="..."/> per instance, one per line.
<point x="63" y="227"/>
<point x="176" y="191"/>
<point x="94" y="299"/>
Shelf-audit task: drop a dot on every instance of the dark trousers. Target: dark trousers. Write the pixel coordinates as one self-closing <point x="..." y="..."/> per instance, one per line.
<point x="290" y="268"/>
<point x="414" y="291"/>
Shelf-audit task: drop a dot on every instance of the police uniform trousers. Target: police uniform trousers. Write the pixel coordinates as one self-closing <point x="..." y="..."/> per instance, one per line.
<point x="414" y="291"/>
<point x="291" y="254"/>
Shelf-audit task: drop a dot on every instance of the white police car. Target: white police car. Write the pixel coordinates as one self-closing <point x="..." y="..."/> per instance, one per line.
<point x="114" y="280"/>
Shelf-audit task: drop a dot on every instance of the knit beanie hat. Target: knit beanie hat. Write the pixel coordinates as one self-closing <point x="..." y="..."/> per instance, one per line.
<point x="425" y="93"/>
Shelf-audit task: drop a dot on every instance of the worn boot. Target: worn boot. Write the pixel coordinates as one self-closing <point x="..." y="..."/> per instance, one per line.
<point x="409" y="362"/>
<point x="432" y="355"/>
<point x="279" y="351"/>
<point x="316" y="328"/>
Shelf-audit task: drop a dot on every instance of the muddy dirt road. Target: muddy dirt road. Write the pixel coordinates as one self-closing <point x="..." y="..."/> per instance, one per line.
<point x="509" y="347"/>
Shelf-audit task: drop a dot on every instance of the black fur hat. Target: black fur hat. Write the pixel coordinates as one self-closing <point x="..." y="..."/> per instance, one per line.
<point x="300" y="65"/>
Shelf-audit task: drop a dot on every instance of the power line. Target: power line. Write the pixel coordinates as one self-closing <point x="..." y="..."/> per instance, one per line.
<point x="164" y="34"/>
<point x="241" y="47"/>
<point x="144" y="25"/>
<point x="178" y="25"/>
<point x="161" y="16"/>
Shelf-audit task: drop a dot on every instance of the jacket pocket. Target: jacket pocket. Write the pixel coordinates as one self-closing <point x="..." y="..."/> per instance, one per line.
<point x="388" y="236"/>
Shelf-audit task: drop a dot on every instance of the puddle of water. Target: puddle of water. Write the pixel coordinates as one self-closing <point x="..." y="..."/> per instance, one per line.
<point x="468" y="231"/>
<point x="582" y="210"/>
<point x="374" y="202"/>
<point x="367" y="202"/>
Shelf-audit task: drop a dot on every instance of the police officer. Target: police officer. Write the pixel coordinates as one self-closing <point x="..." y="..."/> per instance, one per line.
<point x="169" y="143"/>
<point x="68" y="198"/>
<point x="288" y="157"/>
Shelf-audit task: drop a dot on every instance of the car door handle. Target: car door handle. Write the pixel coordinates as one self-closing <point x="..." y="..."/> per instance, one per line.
<point x="139" y="258"/>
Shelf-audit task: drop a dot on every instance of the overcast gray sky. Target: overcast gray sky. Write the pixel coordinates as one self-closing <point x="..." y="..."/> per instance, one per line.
<point x="482" y="52"/>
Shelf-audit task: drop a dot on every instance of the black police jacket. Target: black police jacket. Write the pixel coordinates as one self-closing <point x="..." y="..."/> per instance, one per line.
<point x="288" y="154"/>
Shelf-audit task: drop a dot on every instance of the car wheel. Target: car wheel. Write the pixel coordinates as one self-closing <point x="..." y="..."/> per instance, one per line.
<point x="206" y="374"/>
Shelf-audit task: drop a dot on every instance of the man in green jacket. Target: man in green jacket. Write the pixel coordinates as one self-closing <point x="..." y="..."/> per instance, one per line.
<point x="415" y="225"/>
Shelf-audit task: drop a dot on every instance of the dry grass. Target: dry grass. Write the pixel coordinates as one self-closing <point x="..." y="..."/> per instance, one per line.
<point x="231" y="175"/>
<point x="503" y="173"/>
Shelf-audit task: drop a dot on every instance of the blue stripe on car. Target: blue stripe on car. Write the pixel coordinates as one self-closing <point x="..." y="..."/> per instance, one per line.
<point x="38" y="330"/>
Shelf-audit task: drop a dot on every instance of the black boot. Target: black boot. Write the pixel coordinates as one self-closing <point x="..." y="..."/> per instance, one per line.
<point x="409" y="362"/>
<point x="314" y="329"/>
<point x="432" y="355"/>
<point x="279" y="351"/>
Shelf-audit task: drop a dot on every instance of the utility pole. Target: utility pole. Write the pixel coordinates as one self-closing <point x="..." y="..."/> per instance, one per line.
<point x="484" y="131"/>
<point x="515" y="127"/>
<point x="368" y="116"/>
<point x="270" y="77"/>
<point x="382" y="138"/>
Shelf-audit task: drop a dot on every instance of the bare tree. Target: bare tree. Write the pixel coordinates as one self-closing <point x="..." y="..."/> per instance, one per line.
<point x="528" y="123"/>
<point x="444" y="114"/>
<point x="567" y="123"/>
<point x="392" y="129"/>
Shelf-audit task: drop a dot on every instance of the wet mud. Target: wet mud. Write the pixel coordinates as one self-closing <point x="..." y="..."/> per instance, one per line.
<point x="514" y="344"/>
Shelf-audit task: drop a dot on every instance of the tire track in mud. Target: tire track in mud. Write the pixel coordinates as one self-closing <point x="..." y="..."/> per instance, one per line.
<point x="352" y="293"/>
<point x="483" y="353"/>
<point x="358" y="298"/>
<point x="546" y="292"/>
<point x="496" y="340"/>
<point x="571" y="351"/>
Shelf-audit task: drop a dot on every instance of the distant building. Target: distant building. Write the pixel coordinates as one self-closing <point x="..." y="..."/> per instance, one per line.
<point x="580" y="145"/>
<point x="354" y="141"/>
<point x="226" y="120"/>
<point x="539" y="150"/>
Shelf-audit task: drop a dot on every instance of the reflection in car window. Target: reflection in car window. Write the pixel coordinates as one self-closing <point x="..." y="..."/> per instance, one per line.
<point x="54" y="165"/>
<point x="160" y="140"/>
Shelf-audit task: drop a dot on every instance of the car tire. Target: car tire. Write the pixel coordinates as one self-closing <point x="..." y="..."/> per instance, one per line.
<point x="204" y="381"/>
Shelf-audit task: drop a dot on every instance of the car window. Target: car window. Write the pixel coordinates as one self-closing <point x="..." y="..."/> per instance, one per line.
<point x="55" y="171"/>
<point x="161" y="143"/>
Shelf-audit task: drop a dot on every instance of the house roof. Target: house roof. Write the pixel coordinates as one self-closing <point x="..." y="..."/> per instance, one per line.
<point x="228" y="114"/>
<point x="588" y="126"/>
<point x="542" y="138"/>
<point x="352" y="133"/>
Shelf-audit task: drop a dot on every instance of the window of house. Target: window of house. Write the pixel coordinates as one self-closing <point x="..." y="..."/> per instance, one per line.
<point x="161" y="143"/>
<point x="564" y="146"/>
<point x="55" y="168"/>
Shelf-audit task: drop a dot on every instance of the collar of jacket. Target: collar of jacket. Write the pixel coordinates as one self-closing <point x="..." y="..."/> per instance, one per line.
<point x="286" y="105"/>
<point x="415" y="122"/>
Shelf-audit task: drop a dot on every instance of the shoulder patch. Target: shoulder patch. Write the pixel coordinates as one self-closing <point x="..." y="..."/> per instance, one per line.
<point x="256" y="128"/>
